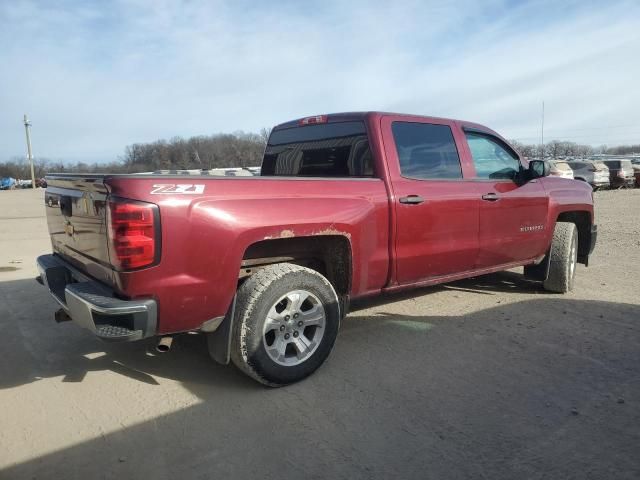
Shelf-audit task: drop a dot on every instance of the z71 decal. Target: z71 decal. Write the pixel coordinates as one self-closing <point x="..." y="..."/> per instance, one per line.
<point x="179" y="189"/>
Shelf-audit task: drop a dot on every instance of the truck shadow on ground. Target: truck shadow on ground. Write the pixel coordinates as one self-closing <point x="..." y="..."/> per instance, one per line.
<point x="541" y="386"/>
<point x="47" y="349"/>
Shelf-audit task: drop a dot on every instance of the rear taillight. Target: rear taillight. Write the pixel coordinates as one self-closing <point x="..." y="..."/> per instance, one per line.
<point x="133" y="234"/>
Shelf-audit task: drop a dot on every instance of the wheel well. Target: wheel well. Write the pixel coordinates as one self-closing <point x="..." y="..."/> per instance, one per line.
<point x="329" y="255"/>
<point x="582" y="220"/>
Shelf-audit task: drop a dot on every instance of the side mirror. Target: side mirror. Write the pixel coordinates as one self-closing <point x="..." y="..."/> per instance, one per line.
<point x="538" y="168"/>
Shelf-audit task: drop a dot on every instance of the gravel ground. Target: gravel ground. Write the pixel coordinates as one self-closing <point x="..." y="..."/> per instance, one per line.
<point x="484" y="378"/>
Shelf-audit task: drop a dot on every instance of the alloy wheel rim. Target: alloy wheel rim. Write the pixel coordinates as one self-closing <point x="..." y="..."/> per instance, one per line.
<point x="294" y="328"/>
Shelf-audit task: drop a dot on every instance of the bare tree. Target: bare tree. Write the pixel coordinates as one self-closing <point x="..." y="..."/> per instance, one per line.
<point x="264" y="134"/>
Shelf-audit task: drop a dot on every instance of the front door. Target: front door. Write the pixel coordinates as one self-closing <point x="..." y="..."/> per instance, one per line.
<point x="513" y="213"/>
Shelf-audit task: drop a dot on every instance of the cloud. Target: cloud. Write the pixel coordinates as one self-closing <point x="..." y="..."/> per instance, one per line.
<point x="95" y="77"/>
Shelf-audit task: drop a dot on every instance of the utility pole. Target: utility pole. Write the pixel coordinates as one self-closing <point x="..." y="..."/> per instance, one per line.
<point x="27" y="128"/>
<point x="542" y="132"/>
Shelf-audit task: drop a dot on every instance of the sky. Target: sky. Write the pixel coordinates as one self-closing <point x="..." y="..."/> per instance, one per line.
<point x="95" y="77"/>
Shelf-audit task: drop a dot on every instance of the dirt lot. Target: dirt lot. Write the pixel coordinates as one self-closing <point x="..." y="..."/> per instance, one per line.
<point x="484" y="378"/>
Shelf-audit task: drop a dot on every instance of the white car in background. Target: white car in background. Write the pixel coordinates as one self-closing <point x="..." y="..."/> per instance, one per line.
<point x="560" y="168"/>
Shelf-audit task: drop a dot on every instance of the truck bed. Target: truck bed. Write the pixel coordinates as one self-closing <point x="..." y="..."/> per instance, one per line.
<point x="207" y="223"/>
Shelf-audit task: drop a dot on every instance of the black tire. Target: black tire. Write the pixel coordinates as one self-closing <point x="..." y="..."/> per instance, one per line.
<point x="563" y="258"/>
<point x="255" y="299"/>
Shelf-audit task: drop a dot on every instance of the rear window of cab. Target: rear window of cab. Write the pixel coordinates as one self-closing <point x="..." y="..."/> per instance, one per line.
<point x="339" y="149"/>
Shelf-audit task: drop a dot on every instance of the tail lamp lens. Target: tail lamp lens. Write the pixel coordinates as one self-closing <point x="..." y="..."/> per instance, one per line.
<point x="133" y="234"/>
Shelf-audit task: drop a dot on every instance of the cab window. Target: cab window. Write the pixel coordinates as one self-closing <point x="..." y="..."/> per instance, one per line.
<point x="426" y="151"/>
<point x="491" y="158"/>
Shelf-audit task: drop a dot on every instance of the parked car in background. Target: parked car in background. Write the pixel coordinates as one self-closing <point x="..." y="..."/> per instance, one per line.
<point x="620" y="173"/>
<point x="560" y="168"/>
<point x="220" y="172"/>
<point x="635" y="163"/>
<point x="7" y="183"/>
<point x="595" y="173"/>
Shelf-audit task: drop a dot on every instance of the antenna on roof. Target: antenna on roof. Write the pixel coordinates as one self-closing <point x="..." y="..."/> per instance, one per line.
<point x="542" y="132"/>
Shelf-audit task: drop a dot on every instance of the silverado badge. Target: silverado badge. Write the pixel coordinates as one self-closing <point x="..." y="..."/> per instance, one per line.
<point x="531" y="228"/>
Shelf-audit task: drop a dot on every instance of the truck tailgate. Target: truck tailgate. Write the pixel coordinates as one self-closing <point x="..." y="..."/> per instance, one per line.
<point x="77" y="220"/>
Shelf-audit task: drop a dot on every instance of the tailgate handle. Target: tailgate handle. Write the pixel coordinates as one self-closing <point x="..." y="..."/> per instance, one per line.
<point x="411" y="199"/>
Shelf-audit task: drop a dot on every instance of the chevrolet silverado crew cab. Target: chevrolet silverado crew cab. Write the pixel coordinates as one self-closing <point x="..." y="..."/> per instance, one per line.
<point x="345" y="206"/>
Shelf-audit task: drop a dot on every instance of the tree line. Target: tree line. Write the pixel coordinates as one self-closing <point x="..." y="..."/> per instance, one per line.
<point x="222" y="150"/>
<point x="562" y="148"/>
<point x="239" y="149"/>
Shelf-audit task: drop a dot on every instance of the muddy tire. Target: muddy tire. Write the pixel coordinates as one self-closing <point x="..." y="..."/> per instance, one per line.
<point x="286" y="321"/>
<point x="563" y="258"/>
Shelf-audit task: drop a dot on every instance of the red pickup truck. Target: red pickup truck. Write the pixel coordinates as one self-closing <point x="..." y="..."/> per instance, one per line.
<point x="345" y="206"/>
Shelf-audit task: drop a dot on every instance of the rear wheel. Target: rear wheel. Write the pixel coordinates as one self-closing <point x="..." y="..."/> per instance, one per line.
<point x="287" y="319"/>
<point x="563" y="258"/>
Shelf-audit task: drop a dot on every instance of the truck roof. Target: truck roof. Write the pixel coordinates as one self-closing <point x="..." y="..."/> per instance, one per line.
<point x="355" y="116"/>
<point x="363" y="116"/>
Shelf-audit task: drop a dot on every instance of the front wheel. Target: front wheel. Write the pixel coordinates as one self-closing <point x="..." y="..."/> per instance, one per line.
<point x="286" y="322"/>
<point x="563" y="258"/>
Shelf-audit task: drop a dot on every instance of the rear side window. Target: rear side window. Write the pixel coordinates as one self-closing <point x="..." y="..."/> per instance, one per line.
<point x="426" y="151"/>
<point x="321" y="150"/>
<point x="491" y="159"/>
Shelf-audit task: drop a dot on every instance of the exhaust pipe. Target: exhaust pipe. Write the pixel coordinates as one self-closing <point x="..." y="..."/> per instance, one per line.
<point x="164" y="344"/>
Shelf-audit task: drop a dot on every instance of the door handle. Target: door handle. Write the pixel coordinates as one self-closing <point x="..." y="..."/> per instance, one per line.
<point x="411" y="199"/>
<point x="491" y="197"/>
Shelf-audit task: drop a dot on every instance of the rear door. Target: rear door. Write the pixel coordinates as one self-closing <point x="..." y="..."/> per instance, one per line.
<point x="436" y="210"/>
<point x="513" y="214"/>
